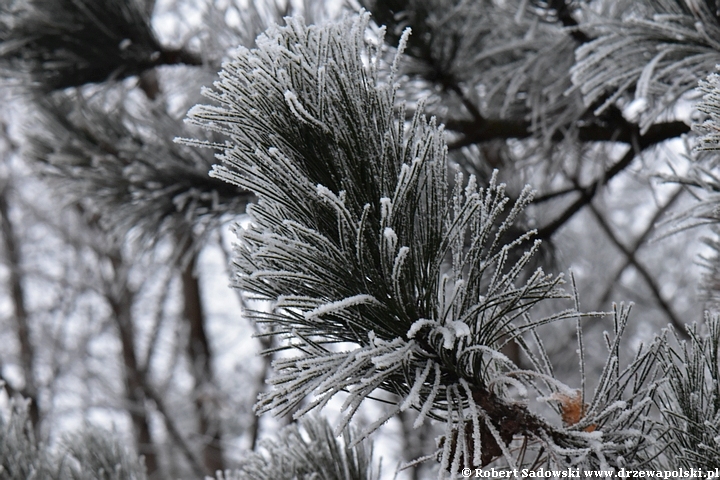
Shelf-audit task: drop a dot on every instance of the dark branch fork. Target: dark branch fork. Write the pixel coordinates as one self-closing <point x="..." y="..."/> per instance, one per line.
<point x="480" y="129"/>
<point x="615" y="128"/>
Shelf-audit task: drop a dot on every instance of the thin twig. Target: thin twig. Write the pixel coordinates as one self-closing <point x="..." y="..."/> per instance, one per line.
<point x="173" y="429"/>
<point x="640" y="240"/>
<point x="654" y="289"/>
<point x="588" y="193"/>
<point x="20" y="313"/>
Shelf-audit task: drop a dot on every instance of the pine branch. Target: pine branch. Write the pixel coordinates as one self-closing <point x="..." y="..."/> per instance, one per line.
<point x="123" y="168"/>
<point x="690" y="401"/>
<point x="308" y="449"/>
<point x="90" y="454"/>
<point x="585" y="125"/>
<point x="98" y="455"/>
<point x="518" y="62"/>
<point x="357" y="238"/>
<point x="659" y="53"/>
<point x="710" y="104"/>
<point x="20" y="455"/>
<point x="704" y="179"/>
<point x="68" y="43"/>
<point x="518" y="57"/>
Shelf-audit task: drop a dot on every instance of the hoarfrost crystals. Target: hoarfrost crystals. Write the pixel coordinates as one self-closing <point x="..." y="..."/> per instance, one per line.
<point x="362" y="242"/>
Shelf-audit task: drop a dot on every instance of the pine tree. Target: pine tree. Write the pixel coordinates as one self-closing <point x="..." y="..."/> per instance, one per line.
<point x="391" y="249"/>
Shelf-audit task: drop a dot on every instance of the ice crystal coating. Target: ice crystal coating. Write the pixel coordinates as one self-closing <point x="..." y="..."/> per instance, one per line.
<point x="383" y="274"/>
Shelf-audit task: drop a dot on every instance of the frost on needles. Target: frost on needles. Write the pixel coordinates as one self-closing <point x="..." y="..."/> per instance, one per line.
<point x="384" y="274"/>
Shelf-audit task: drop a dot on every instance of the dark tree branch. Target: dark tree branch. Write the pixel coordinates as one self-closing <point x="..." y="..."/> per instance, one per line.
<point x="586" y="196"/>
<point x="20" y="314"/>
<point x="587" y="193"/>
<point x="267" y="343"/>
<point x="649" y="280"/>
<point x="484" y="130"/>
<point x="563" y="12"/>
<point x="557" y="193"/>
<point x="508" y="421"/>
<point x="200" y="357"/>
<point x="154" y="335"/>
<point x="415" y="443"/>
<point x="120" y="298"/>
<point x="640" y="241"/>
<point x="469" y="105"/>
<point x="173" y="429"/>
<point x="138" y="388"/>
